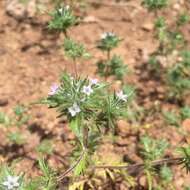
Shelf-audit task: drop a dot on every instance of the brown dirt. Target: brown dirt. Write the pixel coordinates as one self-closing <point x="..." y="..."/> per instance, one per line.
<point x="31" y="60"/>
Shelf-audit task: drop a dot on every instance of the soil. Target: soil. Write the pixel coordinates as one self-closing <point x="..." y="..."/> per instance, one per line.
<point x="31" y="60"/>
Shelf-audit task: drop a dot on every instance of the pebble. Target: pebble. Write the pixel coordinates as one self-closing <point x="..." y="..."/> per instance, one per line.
<point x="142" y="181"/>
<point x="40" y="115"/>
<point x="160" y="89"/>
<point x="20" y="10"/>
<point x="3" y="102"/>
<point x="186" y="125"/>
<point x="149" y="26"/>
<point x="176" y="6"/>
<point x="123" y="127"/>
<point x="15" y="9"/>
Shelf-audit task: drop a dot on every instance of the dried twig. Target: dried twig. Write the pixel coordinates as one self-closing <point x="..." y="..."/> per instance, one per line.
<point x="130" y="168"/>
<point x="100" y="3"/>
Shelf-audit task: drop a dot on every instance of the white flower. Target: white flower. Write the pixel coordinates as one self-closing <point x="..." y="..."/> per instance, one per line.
<point x="87" y="90"/>
<point x="122" y="96"/>
<point x="103" y="35"/>
<point x="67" y="7"/>
<point x="107" y="34"/>
<point x="74" y="109"/>
<point x="93" y="81"/>
<point x="60" y="10"/>
<point x="53" y="89"/>
<point x="11" y="182"/>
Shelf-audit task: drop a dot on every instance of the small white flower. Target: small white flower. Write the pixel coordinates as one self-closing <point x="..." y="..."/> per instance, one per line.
<point x="111" y="34"/>
<point x="11" y="182"/>
<point x="93" y="81"/>
<point x="122" y="96"/>
<point x="103" y="35"/>
<point x="53" y="89"/>
<point x="60" y="10"/>
<point x="87" y="90"/>
<point x="67" y="7"/>
<point x="74" y="109"/>
<point x="107" y="34"/>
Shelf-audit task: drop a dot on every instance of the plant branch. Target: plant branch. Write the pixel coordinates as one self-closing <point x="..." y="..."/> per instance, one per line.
<point x="131" y="169"/>
<point x="100" y="3"/>
<point x="62" y="176"/>
<point x="107" y="64"/>
<point x="75" y="68"/>
<point x="139" y="165"/>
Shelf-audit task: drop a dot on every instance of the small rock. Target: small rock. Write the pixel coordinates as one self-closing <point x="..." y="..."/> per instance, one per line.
<point x="3" y="102"/>
<point x="145" y="56"/>
<point x="161" y="96"/>
<point x="179" y="182"/>
<point x="15" y="9"/>
<point x="31" y="9"/>
<point x="123" y="127"/>
<point x="142" y="181"/>
<point x="90" y="19"/>
<point x="122" y="141"/>
<point x="20" y="10"/>
<point x="186" y="125"/>
<point x="176" y="6"/>
<point x="149" y="26"/>
<point x="39" y="115"/>
<point x="182" y="2"/>
<point x="160" y="89"/>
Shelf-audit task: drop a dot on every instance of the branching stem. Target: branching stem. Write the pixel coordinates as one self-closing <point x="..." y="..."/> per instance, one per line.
<point x="75" y="68"/>
<point x="107" y="66"/>
<point x="62" y="176"/>
<point x="130" y="168"/>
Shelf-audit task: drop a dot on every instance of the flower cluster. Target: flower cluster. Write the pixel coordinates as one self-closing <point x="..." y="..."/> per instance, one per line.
<point x="108" y="41"/>
<point x="62" y="19"/>
<point x="107" y="35"/>
<point x="79" y="91"/>
<point x="87" y="98"/>
<point x="61" y="10"/>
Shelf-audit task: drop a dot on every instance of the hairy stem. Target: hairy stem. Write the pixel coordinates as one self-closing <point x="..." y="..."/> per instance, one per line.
<point x="107" y="66"/>
<point x="149" y="179"/>
<point x="75" y="68"/>
<point x="131" y="169"/>
<point x="141" y="165"/>
<point x="68" y="171"/>
<point x="65" y="33"/>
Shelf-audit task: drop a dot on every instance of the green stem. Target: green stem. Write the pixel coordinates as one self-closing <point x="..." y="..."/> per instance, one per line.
<point x="62" y="176"/>
<point x="149" y="179"/>
<point x="75" y="68"/>
<point x="65" y="33"/>
<point x="107" y="66"/>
